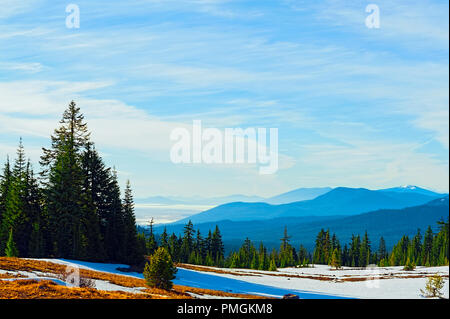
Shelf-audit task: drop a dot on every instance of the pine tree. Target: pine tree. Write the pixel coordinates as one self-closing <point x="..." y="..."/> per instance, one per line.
<point x="285" y="240"/>
<point x="427" y="247"/>
<point x="199" y="248"/>
<point x="234" y="261"/>
<point x="217" y="248"/>
<point x="160" y="271"/>
<point x="345" y="256"/>
<point x="364" y="252"/>
<point x="382" y="252"/>
<point x="151" y="241"/>
<point x="62" y="177"/>
<point x="434" y="286"/>
<point x="354" y="251"/>
<point x="303" y="256"/>
<point x="246" y="253"/>
<point x="36" y="221"/>
<point x="94" y="191"/>
<point x="323" y="248"/>
<point x="273" y="265"/>
<point x="263" y="262"/>
<point x="141" y="243"/>
<point x="5" y="193"/>
<point x="335" y="259"/>
<point x="21" y="203"/>
<point x="174" y="248"/>
<point x="5" y="184"/>
<point x="115" y="224"/>
<point x="188" y="242"/>
<point x="11" y="249"/>
<point x="131" y="243"/>
<point x="36" y="246"/>
<point x="164" y="239"/>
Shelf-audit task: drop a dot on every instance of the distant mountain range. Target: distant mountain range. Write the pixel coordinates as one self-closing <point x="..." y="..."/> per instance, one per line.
<point x="389" y="223"/>
<point x="175" y="200"/>
<point x="412" y="189"/>
<point x="297" y="195"/>
<point x="289" y="197"/>
<point x="338" y="201"/>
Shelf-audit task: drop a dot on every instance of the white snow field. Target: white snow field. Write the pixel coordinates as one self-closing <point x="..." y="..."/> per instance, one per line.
<point x="370" y="283"/>
<point x="317" y="282"/>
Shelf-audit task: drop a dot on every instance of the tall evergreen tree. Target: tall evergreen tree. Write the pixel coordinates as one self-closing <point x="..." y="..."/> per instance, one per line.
<point x="62" y="177"/>
<point x="188" y="241"/>
<point x="382" y="252"/>
<point x="427" y="247"/>
<point x="217" y="248"/>
<point x="152" y="245"/>
<point x="164" y="239"/>
<point x="364" y="252"/>
<point x="96" y="180"/>
<point x="115" y="223"/>
<point x="131" y="241"/>
<point x="11" y="249"/>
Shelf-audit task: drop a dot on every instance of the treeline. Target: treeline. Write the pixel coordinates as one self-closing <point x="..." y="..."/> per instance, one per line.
<point x="431" y="250"/>
<point x="248" y="256"/>
<point x="73" y="209"/>
<point x="190" y="247"/>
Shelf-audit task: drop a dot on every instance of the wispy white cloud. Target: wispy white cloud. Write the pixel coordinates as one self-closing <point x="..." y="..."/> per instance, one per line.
<point x="400" y="21"/>
<point x="30" y="67"/>
<point x="315" y="72"/>
<point x="11" y="8"/>
<point x="374" y="165"/>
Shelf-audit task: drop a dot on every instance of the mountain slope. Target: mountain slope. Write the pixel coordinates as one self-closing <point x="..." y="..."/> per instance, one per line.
<point x="389" y="223"/>
<point x="161" y="200"/>
<point x="288" y="197"/>
<point x="298" y="194"/>
<point x="412" y="189"/>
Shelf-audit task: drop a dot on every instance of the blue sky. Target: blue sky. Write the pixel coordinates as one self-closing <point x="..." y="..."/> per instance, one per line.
<point x="354" y="106"/>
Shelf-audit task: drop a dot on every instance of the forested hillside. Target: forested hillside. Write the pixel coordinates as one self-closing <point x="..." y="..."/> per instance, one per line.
<point x="72" y="208"/>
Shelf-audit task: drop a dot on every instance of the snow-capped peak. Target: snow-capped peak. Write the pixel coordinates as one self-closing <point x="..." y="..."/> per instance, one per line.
<point x="409" y="186"/>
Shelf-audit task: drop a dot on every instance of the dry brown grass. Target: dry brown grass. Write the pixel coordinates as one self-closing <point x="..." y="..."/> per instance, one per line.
<point x="46" y="289"/>
<point x="10" y="276"/>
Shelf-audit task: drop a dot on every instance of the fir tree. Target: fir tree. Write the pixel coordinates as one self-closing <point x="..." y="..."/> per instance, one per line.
<point x="160" y="271"/>
<point x="115" y="223"/>
<point x="164" y="239"/>
<point x="217" y="249"/>
<point x="364" y="251"/>
<point x="131" y="244"/>
<point x="188" y="241"/>
<point x="335" y="259"/>
<point x="62" y="177"/>
<point x="273" y="265"/>
<point x="427" y="247"/>
<point x="382" y="252"/>
<point x="94" y="191"/>
<point x="11" y="249"/>
<point x="151" y="241"/>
